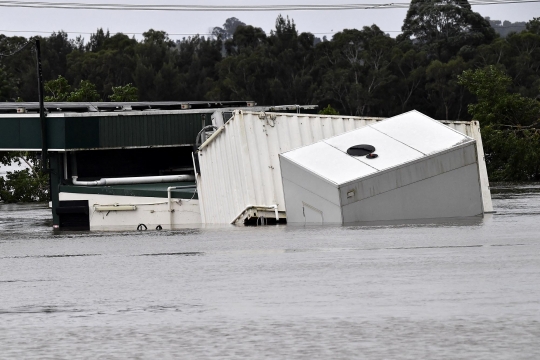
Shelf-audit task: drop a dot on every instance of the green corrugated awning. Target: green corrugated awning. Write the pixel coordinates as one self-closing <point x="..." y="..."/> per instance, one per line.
<point x="72" y="132"/>
<point x="158" y="190"/>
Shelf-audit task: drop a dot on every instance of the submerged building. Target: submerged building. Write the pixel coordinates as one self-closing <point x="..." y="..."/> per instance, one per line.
<point x="173" y="164"/>
<point x="119" y="165"/>
<point x="408" y="167"/>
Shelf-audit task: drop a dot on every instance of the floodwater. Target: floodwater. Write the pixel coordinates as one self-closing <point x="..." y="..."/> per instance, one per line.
<point x="456" y="289"/>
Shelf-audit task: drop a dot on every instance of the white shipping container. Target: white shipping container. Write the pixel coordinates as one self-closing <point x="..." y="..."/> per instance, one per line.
<point x="422" y="169"/>
<point x="240" y="174"/>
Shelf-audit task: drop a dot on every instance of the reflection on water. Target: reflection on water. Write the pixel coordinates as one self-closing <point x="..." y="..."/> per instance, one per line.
<point x="454" y="288"/>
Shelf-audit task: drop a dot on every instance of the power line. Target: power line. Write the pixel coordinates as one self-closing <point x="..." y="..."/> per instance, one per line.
<point x="243" y="8"/>
<point x="211" y="34"/>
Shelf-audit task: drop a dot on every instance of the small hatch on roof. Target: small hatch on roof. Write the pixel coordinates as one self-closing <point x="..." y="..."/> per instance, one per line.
<point x="360" y="150"/>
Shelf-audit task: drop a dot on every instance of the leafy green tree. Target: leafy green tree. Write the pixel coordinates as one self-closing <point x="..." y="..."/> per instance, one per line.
<point x="510" y="125"/>
<point x="523" y="62"/>
<point x="511" y="153"/>
<point x="409" y="66"/>
<point x="26" y="185"/>
<point x="443" y="27"/>
<point x="229" y="28"/>
<point x="329" y="110"/>
<point x="445" y="92"/>
<point x="167" y="83"/>
<point x="59" y="89"/>
<point x="55" y="51"/>
<point x="358" y="70"/>
<point x="495" y="104"/>
<point x="124" y="93"/>
<point x="98" y="40"/>
<point x="245" y="38"/>
<point x="533" y="26"/>
<point x="85" y="92"/>
<point x="8" y="86"/>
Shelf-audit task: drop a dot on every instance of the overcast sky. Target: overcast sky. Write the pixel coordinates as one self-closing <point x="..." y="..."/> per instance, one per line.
<point x="321" y="23"/>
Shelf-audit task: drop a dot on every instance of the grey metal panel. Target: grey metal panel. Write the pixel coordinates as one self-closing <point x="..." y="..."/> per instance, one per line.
<point x="409" y="173"/>
<point x="329" y="163"/>
<point x="301" y="203"/>
<point x="441" y="196"/>
<point x="316" y="184"/>
<point x="420" y="132"/>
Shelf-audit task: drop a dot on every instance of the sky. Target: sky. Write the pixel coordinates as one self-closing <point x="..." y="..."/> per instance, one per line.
<point x="30" y="22"/>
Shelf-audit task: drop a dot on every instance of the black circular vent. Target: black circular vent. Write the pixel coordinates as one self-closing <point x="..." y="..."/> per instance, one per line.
<point x="360" y="150"/>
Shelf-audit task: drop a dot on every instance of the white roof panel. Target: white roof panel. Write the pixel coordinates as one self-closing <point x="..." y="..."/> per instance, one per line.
<point x="391" y="152"/>
<point x="329" y="163"/>
<point x="421" y="132"/>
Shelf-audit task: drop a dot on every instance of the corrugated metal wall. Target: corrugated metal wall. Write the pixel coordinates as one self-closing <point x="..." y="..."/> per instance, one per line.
<point x="98" y="131"/>
<point x="240" y="166"/>
<point x="148" y="130"/>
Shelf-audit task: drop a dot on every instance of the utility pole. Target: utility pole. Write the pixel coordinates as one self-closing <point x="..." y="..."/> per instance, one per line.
<point x="42" y="114"/>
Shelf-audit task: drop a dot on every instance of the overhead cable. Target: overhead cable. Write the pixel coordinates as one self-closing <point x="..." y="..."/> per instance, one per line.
<point x="169" y="7"/>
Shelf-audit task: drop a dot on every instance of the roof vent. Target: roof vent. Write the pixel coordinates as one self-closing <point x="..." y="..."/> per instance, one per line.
<point x="360" y="150"/>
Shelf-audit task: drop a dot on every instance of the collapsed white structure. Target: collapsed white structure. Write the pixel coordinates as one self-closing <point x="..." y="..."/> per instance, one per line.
<point x="239" y="174"/>
<point x="406" y="167"/>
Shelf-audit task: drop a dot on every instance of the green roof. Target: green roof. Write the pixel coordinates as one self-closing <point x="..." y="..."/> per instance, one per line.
<point x="112" y="131"/>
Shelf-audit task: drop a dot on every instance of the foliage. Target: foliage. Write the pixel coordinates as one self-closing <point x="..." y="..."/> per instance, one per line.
<point x="512" y="154"/>
<point x="443" y="27"/>
<point x="495" y="105"/>
<point x="59" y="89"/>
<point x="510" y="122"/>
<point x="229" y="28"/>
<point x="124" y="93"/>
<point x="25" y="185"/>
<point x="85" y="92"/>
<point x="329" y="110"/>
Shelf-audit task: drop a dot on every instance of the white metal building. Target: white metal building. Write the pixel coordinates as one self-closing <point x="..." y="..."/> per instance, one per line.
<point x="406" y="167"/>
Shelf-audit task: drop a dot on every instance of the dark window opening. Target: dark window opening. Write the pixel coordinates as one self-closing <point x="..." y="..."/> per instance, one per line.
<point x="360" y="150"/>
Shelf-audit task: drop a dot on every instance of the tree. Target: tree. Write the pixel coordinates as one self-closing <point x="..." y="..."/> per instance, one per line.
<point x="443" y="88"/>
<point x="26" y="185"/>
<point x="124" y="93"/>
<point x="86" y="92"/>
<point x="410" y="69"/>
<point x="510" y="125"/>
<point x="59" y="89"/>
<point x="443" y="27"/>
<point x="245" y="38"/>
<point x="329" y="110"/>
<point x="229" y="28"/>
<point x="495" y="104"/>
<point x="512" y="154"/>
<point x="8" y="86"/>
